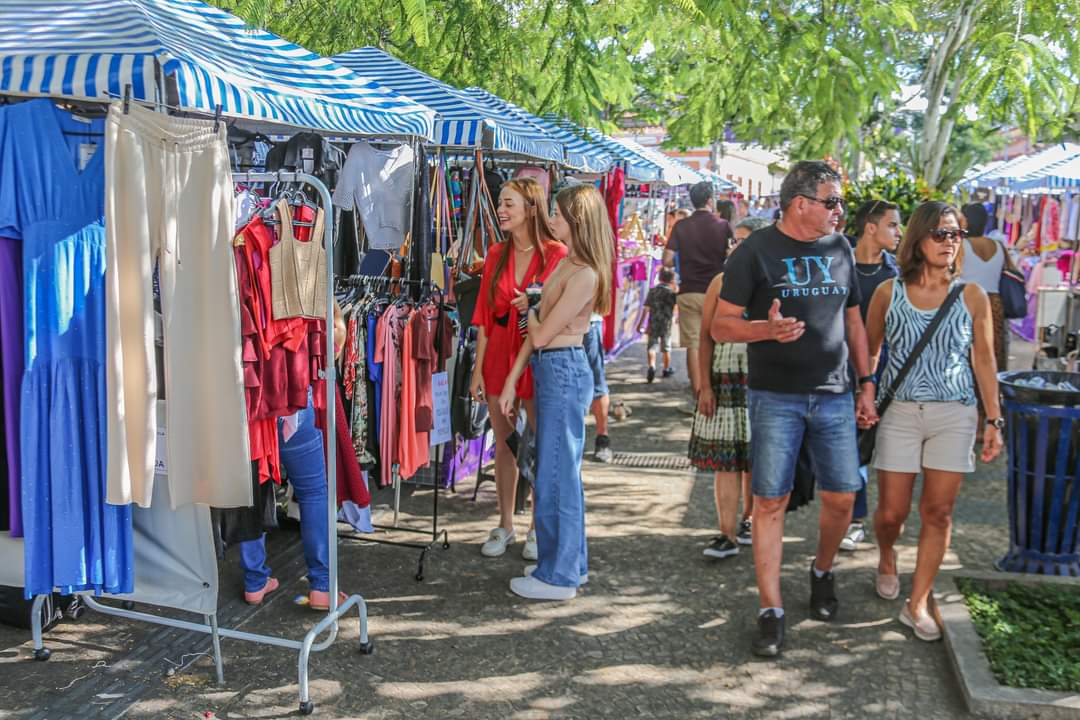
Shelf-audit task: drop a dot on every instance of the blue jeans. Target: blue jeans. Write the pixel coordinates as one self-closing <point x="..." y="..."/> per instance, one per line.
<point x="860" y="511"/>
<point x="593" y="343"/>
<point x="564" y="390"/>
<point x="779" y="422"/>
<point x="305" y="462"/>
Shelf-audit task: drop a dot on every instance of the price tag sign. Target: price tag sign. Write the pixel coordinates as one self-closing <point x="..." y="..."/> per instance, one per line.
<point x="440" y="399"/>
<point x="161" y="466"/>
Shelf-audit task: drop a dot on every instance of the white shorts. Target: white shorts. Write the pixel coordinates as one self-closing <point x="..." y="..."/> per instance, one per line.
<point x="933" y="435"/>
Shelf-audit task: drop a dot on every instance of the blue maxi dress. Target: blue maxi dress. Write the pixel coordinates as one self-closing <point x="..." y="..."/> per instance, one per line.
<point x="52" y="197"/>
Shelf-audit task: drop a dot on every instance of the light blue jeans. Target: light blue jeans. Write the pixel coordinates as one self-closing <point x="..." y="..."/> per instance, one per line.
<point x="564" y="391"/>
<point x="780" y="422"/>
<point x="305" y="463"/>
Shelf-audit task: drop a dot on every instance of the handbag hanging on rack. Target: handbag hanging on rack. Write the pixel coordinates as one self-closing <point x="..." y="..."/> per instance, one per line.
<point x="868" y="437"/>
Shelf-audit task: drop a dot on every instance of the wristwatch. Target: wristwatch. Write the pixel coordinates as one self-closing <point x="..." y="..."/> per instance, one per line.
<point x="999" y="423"/>
<point x="866" y="379"/>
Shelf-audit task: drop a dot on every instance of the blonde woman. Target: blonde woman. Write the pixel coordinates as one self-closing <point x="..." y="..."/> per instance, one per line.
<point x="580" y="285"/>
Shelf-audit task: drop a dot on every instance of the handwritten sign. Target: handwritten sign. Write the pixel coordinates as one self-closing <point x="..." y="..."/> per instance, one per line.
<point x="440" y="399"/>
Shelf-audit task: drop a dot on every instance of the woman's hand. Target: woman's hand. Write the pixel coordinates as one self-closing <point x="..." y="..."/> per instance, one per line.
<point x="706" y="402"/>
<point x="520" y="301"/>
<point x="992" y="443"/>
<point x="476" y="386"/>
<point x="507" y="401"/>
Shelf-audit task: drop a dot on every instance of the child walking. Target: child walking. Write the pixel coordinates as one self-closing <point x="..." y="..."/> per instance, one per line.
<point x="660" y="302"/>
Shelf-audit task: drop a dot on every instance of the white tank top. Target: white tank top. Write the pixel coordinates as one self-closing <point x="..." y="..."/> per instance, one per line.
<point x="984" y="273"/>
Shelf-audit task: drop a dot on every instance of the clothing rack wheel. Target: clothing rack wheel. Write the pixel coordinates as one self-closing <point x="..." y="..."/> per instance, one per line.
<point x="42" y="654"/>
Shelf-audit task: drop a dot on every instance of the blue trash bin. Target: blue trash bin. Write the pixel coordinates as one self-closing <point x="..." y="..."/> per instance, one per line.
<point x="1042" y="437"/>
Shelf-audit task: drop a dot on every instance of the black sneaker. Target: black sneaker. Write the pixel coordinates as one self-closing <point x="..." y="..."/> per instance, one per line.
<point x="668" y="372"/>
<point x="745" y="535"/>
<point x="602" y="453"/>
<point x="823" y="602"/>
<point x="770" y="635"/>
<point x="721" y="547"/>
<point x="651" y="374"/>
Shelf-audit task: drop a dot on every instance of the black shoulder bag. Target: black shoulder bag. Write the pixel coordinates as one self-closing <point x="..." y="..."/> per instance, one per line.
<point x="868" y="437"/>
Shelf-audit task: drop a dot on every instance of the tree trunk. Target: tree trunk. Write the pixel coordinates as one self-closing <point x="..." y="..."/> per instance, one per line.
<point x="943" y="72"/>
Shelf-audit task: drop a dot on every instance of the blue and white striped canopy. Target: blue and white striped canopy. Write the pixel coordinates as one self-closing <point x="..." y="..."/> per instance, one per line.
<point x="463" y="119"/>
<point x="91" y="49"/>
<point x="1018" y="173"/>
<point x="572" y="156"/>
<point x="672" y="171"/>
<point x="582" y="153"/>
<point x="637" y="166"/>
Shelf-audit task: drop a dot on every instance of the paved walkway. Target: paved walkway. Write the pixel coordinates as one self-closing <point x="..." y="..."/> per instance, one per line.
<point x="659" y="632"/>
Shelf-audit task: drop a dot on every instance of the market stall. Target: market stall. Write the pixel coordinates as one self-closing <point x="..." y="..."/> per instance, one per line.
<point x="1034" y="209"/>
<point x="143" y="71"/>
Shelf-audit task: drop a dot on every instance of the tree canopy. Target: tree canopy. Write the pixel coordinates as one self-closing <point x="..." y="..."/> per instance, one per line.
<point x="926" y="85"/>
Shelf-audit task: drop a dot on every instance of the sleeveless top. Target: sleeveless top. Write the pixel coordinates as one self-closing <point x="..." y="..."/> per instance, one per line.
<point x="942" y="373"/>
<point x="984" y="273"/>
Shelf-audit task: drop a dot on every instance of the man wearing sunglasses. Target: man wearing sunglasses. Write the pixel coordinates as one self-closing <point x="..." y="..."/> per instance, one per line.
<point x="791" y="292"/>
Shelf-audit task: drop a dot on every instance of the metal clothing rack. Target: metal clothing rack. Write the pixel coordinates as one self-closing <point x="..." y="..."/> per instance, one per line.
<point x="329" y="623"/>
<point x="435" y="532"/>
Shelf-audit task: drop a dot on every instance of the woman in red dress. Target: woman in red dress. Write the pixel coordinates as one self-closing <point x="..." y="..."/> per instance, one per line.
<point x="527" y="256"/>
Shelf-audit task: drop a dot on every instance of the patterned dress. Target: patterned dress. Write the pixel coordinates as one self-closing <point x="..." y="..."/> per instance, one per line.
<point x="721" y="443"/>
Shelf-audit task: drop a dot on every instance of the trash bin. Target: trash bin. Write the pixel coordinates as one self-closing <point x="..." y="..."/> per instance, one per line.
<point x="1042" y="437"/>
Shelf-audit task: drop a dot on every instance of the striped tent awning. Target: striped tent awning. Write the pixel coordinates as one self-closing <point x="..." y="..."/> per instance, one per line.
<point x="637" y="166"/>
<point x="720" y="183"/>
<point x="464" y="120"/>
<point x="92" y="49"/>
<point x="1015" y="172"/>
<point x="672" y="171"/>
<point x="572" y="156"/>
<point x="582" y="153"/>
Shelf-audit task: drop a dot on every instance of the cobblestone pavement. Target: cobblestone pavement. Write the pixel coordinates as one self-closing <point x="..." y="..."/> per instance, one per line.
<point x="660" y="631"/>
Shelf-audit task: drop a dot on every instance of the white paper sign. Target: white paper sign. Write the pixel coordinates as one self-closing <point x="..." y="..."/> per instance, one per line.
<point x="440" y="401"/>
<point x="161" y="466"/>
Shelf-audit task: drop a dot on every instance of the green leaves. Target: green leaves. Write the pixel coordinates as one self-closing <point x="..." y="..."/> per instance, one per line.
<point x="1030" y="633"/>
<point x="818" y="79"/>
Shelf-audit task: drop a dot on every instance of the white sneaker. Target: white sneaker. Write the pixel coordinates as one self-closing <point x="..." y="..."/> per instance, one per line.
<point x="533" y="589"/>
<point x="855" y="534"/>
<point x="529" y="551"/>
<point x="530" y="569"/>
<point x="496" y="543"/>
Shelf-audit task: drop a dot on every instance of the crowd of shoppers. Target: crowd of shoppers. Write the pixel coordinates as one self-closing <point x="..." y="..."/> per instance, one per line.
<point x="796" y="337"/>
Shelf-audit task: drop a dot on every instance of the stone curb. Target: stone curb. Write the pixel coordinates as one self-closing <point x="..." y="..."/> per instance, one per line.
<point x="984" y="695"/>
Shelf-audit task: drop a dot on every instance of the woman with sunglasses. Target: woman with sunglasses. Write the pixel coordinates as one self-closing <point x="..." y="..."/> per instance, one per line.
<point x="931" y="423"/>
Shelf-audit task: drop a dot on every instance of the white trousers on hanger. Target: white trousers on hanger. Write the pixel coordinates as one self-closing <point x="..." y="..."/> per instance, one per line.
<point x="169" y="201"/>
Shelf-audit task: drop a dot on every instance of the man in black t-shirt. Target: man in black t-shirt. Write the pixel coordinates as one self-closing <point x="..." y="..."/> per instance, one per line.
<point x="791" y="292"/>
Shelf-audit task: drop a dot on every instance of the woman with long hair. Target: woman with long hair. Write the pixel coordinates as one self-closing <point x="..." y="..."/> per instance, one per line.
<point x="930" y="425"/>
<point x="528" y="255"/>
<point x="580" y="286"/>
<point x="720" y="434"/>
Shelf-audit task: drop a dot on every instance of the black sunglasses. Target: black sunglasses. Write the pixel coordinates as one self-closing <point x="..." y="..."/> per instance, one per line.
<point x="831" y="203"/>
<point x="940" y="235"/>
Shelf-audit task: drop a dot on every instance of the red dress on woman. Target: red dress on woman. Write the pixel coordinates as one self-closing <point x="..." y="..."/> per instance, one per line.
<point x="500" y="319"/>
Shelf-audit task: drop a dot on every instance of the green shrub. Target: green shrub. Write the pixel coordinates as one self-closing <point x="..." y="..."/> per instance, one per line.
<point x="1030" y="633"/>
<point x="897" y="187"/>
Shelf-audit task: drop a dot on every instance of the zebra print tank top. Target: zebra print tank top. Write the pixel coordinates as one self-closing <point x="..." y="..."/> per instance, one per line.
<point x="942" y="373"/>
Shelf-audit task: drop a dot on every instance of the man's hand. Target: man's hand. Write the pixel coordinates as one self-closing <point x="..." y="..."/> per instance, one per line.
<point x="865" y="410"/>
<point x="782" y="329"/>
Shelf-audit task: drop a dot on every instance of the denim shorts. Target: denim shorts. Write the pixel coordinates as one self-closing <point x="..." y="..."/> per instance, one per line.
<point x="781" y="422"/>
<point x="593" y="342"/>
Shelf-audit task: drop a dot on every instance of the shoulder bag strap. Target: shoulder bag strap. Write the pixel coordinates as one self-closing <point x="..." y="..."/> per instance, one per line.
<point x="924" y="340"/>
